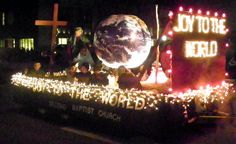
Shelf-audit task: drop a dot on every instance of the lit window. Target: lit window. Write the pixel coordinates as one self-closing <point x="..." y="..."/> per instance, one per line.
<point x="27" y="44"/>
<point x="62" y="41"/>
<point x="3" y="18"/>
<point x="2" y="43"/>
<point x="10" y="43"/>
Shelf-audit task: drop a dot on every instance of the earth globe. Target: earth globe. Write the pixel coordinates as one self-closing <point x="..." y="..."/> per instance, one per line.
<point x="122" y="40"/>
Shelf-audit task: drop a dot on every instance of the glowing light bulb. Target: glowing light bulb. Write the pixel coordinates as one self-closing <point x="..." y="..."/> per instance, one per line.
<point x="164" y="38"/>
<point x="223" y="15"/>
<point x="170" y="14"/>
<point x="208" y="12"/>
<point x="170" y="89"/>
<point x="168" y="52"/>
<point x="169" y="71"/>
<point x="170" y="33"/>
<point x="181" y="8"/>
<point x="227" y="45"/>
<point x="199" y="11"/>
<point x="226" y="74"/>
<point x="190" y="10"/>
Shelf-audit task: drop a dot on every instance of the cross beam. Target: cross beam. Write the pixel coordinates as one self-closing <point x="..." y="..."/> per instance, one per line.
<point x="54" y="23"/>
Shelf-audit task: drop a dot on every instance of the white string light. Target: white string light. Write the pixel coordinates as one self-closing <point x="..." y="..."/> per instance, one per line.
<point x="128" y="99"/>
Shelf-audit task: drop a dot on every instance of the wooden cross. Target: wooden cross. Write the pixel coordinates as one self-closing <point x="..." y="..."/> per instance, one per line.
<point x="54" y="23"/>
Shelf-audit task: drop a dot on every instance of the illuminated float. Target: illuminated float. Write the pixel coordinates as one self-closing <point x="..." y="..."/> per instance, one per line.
<point x="192" y="62"/>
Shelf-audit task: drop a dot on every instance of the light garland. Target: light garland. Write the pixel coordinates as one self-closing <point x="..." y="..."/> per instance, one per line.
<point x="127" y="99"/>
<point x="208" y="94"/>
<point x="60" y="73"/>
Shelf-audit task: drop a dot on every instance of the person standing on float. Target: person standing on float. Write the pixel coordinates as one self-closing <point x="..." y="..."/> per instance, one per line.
<point x="80" y="41"/>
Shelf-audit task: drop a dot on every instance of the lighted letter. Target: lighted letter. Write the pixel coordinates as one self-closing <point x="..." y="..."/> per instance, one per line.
<point x="105" y="98"/>
<point x="190" y="23"/>
<point x="213" y="49"/>
<point x="214" y="23"/>
<point x="139" y="103"/>
<point x="189" y="49"/>
<point x="129" y="106"/>
<point x="178" y="29"/>
<point x="222" y="29"/>
<point x="121" y="101"/>
<point x="113" y="100"/>
<point x="202" y="48"/>
<point x="199" y="22"/>
<point x="205" y="25"/>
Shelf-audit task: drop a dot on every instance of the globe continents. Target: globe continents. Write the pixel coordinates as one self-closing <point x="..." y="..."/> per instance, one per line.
<point x="122" y="40"/>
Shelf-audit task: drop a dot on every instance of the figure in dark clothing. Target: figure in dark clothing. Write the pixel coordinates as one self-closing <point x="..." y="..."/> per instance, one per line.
<point x="127" y="80"/>
<point x="81" y="40"/>
<point x="36" y="71"/>
<point x="71" y="73"/>
<point x="84" y="75"/>
<point x="98" y="77"/>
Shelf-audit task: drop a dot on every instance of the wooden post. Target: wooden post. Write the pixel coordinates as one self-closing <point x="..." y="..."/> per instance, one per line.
<point x="157" y="37"/>
<point x="54" y="23"/>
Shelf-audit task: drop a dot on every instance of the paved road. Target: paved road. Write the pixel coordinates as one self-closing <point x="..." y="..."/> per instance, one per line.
<point x="21" y="128"/>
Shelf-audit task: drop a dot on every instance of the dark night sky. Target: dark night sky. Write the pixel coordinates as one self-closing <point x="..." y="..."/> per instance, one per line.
<point x="96" y="10"/>
<point x="117" y="4"/>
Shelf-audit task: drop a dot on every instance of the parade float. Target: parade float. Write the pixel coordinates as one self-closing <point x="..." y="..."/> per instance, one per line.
<point x="190" y="52"/>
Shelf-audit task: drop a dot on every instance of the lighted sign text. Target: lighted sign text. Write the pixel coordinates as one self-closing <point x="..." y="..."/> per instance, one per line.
<point x="133" y="99"/>
<point x="105" y="95"/>
<point x="201" y="48"/>
<point x="204" y="24"/>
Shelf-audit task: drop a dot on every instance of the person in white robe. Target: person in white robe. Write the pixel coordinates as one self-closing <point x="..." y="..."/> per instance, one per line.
<point x="84" y="56"/>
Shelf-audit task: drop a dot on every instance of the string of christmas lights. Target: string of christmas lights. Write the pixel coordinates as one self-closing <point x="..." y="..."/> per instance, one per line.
<point x="128" y="99"/>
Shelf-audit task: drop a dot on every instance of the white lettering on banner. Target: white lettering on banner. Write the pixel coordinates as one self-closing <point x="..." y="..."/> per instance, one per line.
<point x="204" y="24"/>
<point x="57" y="105"/>
<point x="201" y="48"/>
<point x="123" y="101"/>
<point x="84" y="109"/>
<point x="139" y="104"/>
<point x="109" y="115"/>
<point x="96" y="112"/>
